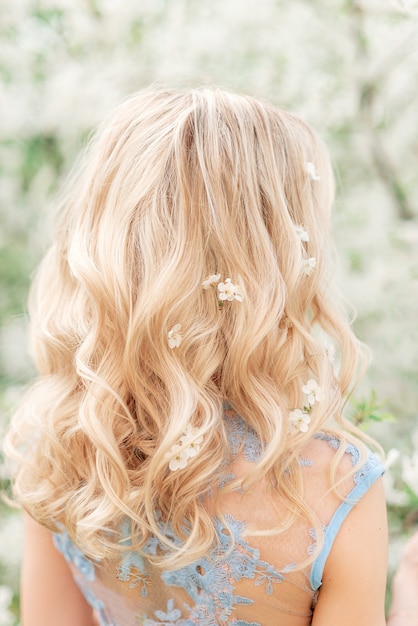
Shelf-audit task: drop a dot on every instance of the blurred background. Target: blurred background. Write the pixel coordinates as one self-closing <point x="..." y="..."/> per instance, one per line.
<point x="349" y="67"/>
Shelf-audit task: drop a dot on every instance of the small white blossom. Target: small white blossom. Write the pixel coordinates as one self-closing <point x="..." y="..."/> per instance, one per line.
<point x="191" y="442"/>
<point x="330" y="351"/>
<point x="229" y="291"/>
<point x="299" y="420"/>
<point x="6" y="596"/>
<point x="313" y="391"/>
<point x="394" y="495"/>
<point x="391" y="457"/>
<point x="410" y="471"/>
<point x="302" y="233"/>
<point x="310" y="168"/>
<point x="211" y="281"/>
<point x="174" y="336"/>
<point x="188" y="448"/>
<point x="179" y="458"/>
<point x="308" y="265"/>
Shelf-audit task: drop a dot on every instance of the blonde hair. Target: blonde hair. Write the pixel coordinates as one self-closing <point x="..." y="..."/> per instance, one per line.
<point x="176" y="186"/>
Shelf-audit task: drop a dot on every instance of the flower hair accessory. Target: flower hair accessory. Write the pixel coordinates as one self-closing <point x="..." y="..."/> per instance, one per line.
<point x="174" y="336"/>
<point x="308" y="265"/>
<point x="313" y="391"/>
<point x="186" y="449"/>
<point x="299" y="419"/>
<point x="224" y="290"/>
<point x="211" y="281"/>
<point x="228" y="291"/>
<point x="302" y="233"/>
<point x="311" y="169"/>
<point x="330" y="351"/>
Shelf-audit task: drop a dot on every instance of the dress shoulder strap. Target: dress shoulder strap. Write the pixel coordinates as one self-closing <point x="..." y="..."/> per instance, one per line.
<point x="367" y="473"/>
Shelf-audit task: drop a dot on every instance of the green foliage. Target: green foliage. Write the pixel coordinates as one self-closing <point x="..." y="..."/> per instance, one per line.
<point x="15" y="265"/>
<point x="39" y="150"/>
<point x="412" y="496"/>
<point x="366" y="410"/>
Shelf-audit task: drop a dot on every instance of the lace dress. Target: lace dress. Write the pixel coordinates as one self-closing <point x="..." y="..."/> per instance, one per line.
<point x="253" y="584"/>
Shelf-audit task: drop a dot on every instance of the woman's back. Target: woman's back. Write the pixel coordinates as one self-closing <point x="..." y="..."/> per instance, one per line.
<point x="250" y="576"/>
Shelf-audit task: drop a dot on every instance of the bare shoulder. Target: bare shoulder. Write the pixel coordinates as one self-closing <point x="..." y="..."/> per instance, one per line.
<point x="323" y="447"/>
<point x="49" y="594"/>
<point x="329" y="460"/>
<point x="335" y="470"/>
<point x="354" y="514"/>
<point x="355" y="571"/>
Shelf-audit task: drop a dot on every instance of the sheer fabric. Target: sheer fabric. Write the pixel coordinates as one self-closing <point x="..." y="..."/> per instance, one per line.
<point x="255" y="582"/>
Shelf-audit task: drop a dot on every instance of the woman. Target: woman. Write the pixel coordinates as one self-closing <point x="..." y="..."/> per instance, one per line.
<point x="184" y="453"/>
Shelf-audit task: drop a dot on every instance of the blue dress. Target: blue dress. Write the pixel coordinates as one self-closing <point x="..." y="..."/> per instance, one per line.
<point x="251" y="581"/>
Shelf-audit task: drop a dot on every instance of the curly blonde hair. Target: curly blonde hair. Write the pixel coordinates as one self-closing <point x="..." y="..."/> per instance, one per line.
<point x="176" y="186"/>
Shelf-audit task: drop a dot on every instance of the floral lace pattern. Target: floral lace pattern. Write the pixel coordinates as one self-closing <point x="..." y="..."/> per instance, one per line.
<point x="370" y="464"/>
<point x="241" y="435"/>
<point x="173" y="618"/>
<point x="241" y="438"/>
<point x="210" y="582"/>
<point x="132" y="571"/>
<point x="73" y="555"/>
<point x="87" y="573"/>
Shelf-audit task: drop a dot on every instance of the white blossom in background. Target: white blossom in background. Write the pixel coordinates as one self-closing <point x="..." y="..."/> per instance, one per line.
<point x="394" y="493"/>
<point x="414" y="436"/>
<point x="392" y="456"/>
<point x="6" y="595"/>
<point x="410" y="471"/>
<point x="11" y="542"/>
<point x="405" y="5"/>
<point x="13" y="349"/>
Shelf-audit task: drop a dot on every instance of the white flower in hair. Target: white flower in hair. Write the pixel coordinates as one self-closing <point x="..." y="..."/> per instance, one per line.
<point x="174" y="336"/>
<point x="330" y="351"/>
<point x="308" y="265"/>
<point x="191" y="442"/>
<point x="229" y="291"/>
<point x="310" y="168"/>
<point x="211" y="281"/>
<point x="302" y="233"/>
<point x="188" y="448"/>
<point x="299" y="420"/>
<point x="313" y="391"/>
<point x="179" y="458"/>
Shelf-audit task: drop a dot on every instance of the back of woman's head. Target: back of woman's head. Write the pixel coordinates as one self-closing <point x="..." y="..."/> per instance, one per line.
<point x="134" y="350"/>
